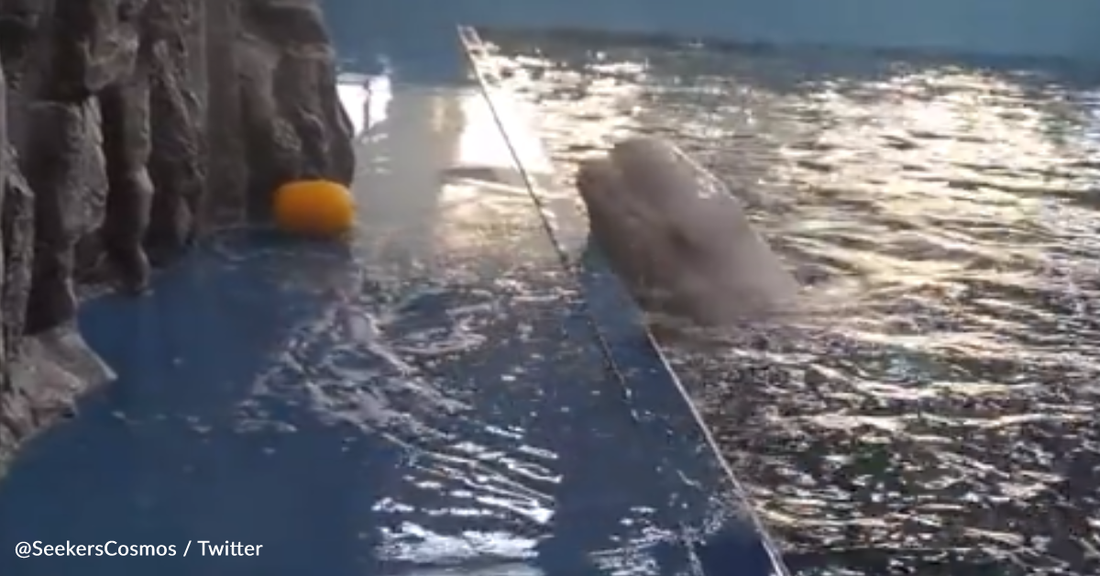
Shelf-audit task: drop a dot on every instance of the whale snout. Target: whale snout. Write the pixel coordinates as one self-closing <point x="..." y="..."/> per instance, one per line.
<point x="676" y="237"/>
<point x="595" y="175"/>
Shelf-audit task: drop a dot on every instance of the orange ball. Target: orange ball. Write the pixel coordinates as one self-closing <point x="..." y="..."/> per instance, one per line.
<point x="314" y="208"/>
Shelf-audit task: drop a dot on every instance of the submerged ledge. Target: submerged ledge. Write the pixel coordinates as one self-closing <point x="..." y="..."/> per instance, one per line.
<point x="129" y="128"/>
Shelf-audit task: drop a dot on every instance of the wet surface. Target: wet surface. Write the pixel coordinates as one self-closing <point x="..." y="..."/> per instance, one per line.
<point x="935" y="414"/>
<point x="432" y="398"/>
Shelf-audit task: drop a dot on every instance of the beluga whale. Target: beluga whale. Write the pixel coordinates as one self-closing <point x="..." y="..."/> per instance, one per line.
<point x="679" y="240"/>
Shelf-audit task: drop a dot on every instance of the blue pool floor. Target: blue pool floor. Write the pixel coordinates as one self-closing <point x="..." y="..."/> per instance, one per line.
<point x="258" y="402"/>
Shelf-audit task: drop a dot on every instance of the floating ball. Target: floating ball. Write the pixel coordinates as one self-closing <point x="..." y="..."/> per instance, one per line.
<point x="314" y="208"/>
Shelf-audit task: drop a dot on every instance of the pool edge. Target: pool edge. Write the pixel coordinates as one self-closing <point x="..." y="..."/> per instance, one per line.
<point x="472" y="45"/>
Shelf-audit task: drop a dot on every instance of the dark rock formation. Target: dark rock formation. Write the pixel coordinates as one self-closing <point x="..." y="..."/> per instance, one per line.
<point x="128" y="128"/>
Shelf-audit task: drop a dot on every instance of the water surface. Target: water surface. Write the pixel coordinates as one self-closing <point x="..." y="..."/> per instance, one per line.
<point x="429" y="397"/>
<point x="939" y="416"/>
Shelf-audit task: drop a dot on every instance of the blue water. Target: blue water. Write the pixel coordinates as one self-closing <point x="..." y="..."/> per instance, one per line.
<point x="934" y="412"/>
<point x="439" y="396"/>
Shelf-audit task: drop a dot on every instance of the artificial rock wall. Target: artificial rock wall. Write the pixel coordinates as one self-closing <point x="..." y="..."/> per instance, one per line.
<point x="127" y="129"/>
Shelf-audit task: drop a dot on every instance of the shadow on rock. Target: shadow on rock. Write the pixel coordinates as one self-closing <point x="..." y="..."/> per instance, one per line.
<point x="128" y="128"/>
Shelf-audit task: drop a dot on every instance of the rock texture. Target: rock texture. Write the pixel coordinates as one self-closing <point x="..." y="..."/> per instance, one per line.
<point x="127" y="129"/>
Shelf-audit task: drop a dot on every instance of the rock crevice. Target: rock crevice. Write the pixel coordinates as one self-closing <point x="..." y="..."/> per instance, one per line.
<point x="127" y="129"/>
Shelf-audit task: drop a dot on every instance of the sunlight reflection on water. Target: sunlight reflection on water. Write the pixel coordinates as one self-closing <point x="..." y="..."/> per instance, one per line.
<point x="944" y="420"/>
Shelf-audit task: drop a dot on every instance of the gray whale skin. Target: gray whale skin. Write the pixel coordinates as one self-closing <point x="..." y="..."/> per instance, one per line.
<point x="677" y="239"/>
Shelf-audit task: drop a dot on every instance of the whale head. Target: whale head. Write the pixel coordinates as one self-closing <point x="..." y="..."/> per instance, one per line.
<point x="678" y="240"/>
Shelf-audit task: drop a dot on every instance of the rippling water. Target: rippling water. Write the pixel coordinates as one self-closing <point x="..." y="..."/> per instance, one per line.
<point x="942" y="420"/>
